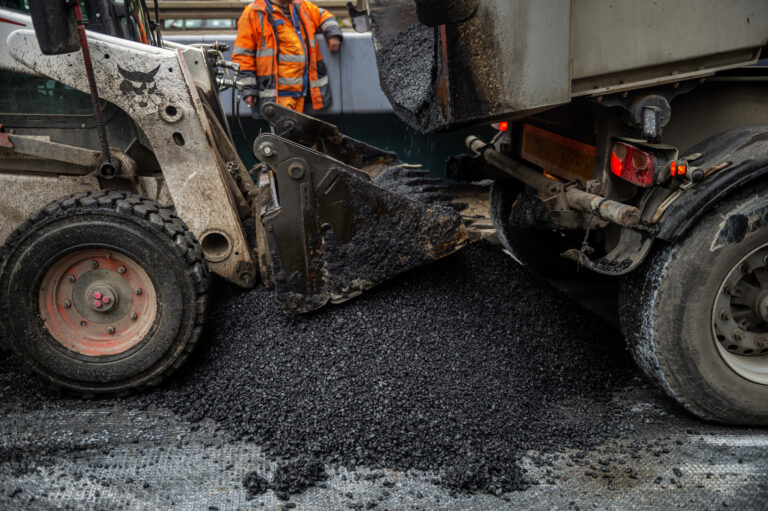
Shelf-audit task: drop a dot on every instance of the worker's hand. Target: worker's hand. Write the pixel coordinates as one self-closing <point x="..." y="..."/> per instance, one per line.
<point x="334" y="43"/>
<point x="250" y="100"/>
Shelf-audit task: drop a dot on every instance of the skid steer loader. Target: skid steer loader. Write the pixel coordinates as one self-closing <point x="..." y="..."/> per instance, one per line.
<point x="111" y="223"/>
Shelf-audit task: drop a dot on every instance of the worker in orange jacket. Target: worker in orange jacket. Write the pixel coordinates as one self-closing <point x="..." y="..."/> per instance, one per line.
<point x="278" y="56"/>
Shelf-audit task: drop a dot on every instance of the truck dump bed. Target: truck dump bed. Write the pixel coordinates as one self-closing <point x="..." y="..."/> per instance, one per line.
<point x="509" y="59"/>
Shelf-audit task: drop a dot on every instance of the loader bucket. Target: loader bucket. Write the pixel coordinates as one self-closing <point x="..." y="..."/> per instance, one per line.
<point x="327" y="232"/>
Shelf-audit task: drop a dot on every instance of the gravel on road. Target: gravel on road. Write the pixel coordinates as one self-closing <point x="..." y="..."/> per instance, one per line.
<point x="458" y="368"/>
<point x="439" y="390"/>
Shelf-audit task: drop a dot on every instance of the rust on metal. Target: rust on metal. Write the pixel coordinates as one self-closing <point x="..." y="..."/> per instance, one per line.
<point x="715" y="168"/>
<point x="443" y="90"/>
<point x="616" y="212"/>
<point x="87" y="302"/>
<point x="612" y="211"/>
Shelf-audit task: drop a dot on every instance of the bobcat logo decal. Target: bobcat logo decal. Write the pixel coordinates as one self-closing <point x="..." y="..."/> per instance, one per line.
<point x="141" y="85"/>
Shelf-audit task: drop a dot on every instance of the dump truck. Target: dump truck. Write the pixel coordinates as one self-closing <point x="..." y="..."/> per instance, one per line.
<point x="633" y="143"/>
<point x="112" y="222"/>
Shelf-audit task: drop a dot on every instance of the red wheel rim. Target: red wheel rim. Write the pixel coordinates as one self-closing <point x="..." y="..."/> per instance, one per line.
<point x="97" y="303"/>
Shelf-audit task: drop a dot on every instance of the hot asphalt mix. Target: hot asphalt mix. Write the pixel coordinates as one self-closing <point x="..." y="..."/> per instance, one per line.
<point x="470" y="383"/>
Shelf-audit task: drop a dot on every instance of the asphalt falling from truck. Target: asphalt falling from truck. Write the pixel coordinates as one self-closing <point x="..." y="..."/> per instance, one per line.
<point x="457" y="369"/>
<point x="409" y="69"/>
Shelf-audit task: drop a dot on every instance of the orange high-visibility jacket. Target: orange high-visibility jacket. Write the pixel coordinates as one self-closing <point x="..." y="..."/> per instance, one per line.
<point x="279" y="60"/>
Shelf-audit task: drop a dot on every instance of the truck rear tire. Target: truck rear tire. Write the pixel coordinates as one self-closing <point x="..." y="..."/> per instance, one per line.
<point x="695" y="316"/>
<point x="103" y="292"/>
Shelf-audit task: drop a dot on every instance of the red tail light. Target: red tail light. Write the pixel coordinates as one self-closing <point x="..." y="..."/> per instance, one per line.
<point x="633" y="165"/>
<point x="501" y="126"/>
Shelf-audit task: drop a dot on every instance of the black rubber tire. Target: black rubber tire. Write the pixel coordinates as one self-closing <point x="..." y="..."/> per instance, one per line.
<point x="666" y="316"/>
<point x="537" y="249"/>
<point x="137" y="227"/>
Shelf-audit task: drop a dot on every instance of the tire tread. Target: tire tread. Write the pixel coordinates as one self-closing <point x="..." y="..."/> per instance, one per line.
<point x="160" y="219"/>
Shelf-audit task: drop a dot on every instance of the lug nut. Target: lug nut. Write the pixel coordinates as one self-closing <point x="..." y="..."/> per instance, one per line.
<point x="725" y="315"/>
<point x="111" y="330"/>
<point x="106" y="299"/>
<point x="67" y="304"/>
<point x="94" y="264"/>
<point x="138" y="291"/>
<point x="134" y="316"/>
<point x="762" y="342"/>
<point x="83" y="324"/>
<point x="745" y="268"/>
<point x="121" y="269"/>
<point x="71" y="278"/>
<point x="739" y="334"/>
<point x="98" y="304"/>
<point x="97" y="295"/>
<point x="730" y="290"/>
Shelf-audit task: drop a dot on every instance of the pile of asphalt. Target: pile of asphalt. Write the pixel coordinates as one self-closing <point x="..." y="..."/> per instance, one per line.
<point x="458" y="368"/>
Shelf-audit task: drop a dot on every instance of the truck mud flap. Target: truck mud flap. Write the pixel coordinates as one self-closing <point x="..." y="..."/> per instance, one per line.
<point x="327" y="233"/>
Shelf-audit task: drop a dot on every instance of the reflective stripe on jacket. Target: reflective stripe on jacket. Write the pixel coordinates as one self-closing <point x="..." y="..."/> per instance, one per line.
<point x="272" y="50"/>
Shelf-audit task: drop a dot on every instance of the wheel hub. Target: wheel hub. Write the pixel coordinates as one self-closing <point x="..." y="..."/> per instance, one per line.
<point x="740" y="318"/>
<point x="97" y="302"/>
<point x="763" y="308"/>
<point x="102" y="297"/>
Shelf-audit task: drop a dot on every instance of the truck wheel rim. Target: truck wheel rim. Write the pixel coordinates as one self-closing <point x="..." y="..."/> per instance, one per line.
<point x="97" y="303"/>
<point x="740" y="317"/>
